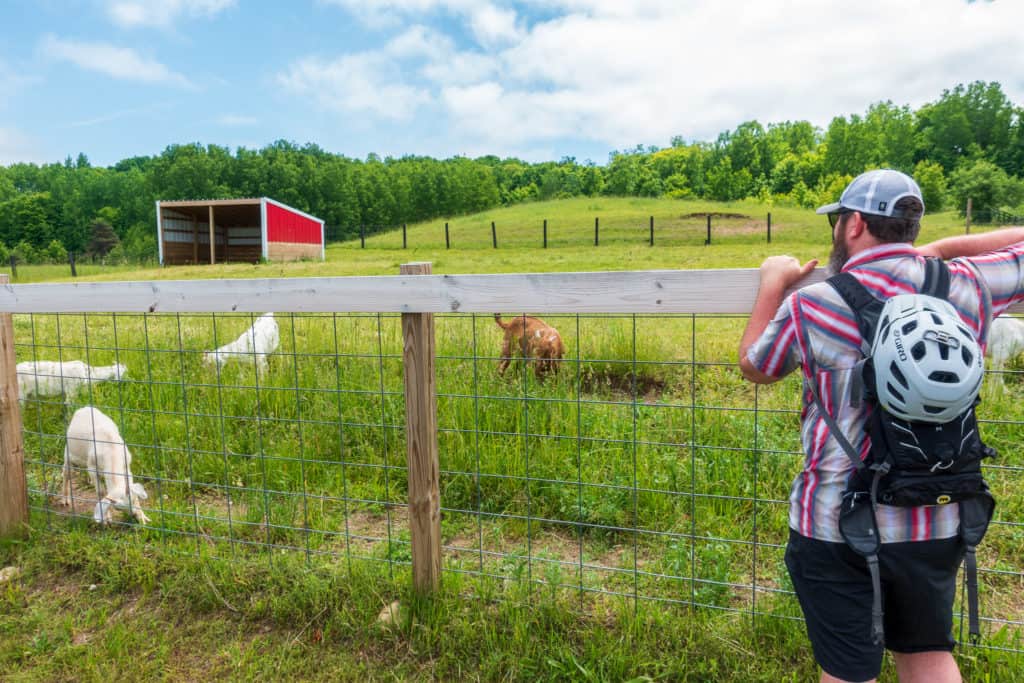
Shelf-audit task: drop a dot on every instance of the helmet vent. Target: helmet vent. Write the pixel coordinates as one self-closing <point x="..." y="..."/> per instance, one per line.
<point x="967" y="355"/>
<point x="943" y="351"/>
<point x="933" y="410"/>
<point x="896" y="394"/>
<point x="909" y="327"/>
<point x="944" y="376"/>
<point x="898" y="374"/>
<point x="917" y="350"/>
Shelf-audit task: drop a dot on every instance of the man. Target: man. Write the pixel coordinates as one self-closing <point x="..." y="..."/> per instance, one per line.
<point x="874" y="225"/>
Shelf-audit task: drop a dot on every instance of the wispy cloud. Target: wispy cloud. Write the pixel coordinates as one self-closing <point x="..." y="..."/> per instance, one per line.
<point x="162" y="13"/>
<point x="117" y="62"/>
<point x="116" y="115"/>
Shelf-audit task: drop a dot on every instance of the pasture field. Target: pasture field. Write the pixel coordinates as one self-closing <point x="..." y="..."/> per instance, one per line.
<point x="624" y="518"/>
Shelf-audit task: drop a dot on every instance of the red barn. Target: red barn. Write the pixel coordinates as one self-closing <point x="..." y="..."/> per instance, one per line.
<point x="239" y="229"/>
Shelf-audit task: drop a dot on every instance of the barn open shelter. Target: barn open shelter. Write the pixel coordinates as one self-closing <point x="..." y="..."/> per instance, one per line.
<point x="240" y="230"/>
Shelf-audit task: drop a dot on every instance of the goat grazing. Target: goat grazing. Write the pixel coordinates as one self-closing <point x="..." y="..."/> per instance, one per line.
<point x="260" y="341"/>
<point x="53" y="378"/>
<point x="536" y="340"/>
<point x="94" y="443"/>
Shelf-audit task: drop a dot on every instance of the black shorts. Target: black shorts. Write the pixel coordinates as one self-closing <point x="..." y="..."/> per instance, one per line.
<point x="834" y="589"/>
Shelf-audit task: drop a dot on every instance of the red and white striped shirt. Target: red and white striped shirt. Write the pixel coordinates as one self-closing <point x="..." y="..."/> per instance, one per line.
<point x="835" y="341"/>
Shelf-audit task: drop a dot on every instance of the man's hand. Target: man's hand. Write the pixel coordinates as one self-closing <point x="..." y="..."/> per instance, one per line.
<point x="778" y="273"/>
<point x="782" y="272"/>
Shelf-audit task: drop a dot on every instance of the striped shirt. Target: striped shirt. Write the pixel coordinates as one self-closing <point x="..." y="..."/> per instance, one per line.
<point x="835" y="341"/>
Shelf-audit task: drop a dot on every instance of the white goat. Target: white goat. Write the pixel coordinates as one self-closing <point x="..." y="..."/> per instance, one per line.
<point x="53" y="378"/>
<point x="94" y="443"/>
<point x="260" y="341"/>
<point x="1005" y="341"/>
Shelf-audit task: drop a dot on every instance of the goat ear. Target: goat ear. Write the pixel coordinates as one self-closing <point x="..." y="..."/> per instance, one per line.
<point x="139" y="491"/>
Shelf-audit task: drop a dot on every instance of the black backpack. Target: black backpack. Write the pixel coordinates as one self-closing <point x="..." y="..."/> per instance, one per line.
<point x="910" y="463"/>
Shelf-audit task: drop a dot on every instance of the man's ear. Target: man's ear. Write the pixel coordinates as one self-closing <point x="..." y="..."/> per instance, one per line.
<point x="855" y="226"/>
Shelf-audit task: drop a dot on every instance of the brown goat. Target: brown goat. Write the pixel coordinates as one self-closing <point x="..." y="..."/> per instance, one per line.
<point x="536" y="340"/>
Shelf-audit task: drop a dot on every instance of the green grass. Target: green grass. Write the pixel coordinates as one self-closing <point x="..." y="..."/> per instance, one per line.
<point x="602" y="499"/>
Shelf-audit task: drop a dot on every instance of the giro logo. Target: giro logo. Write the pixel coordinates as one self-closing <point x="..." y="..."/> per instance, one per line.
<point x="898" y="341"/>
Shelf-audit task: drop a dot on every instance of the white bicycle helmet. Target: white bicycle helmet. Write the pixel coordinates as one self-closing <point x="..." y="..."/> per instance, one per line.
<point x="928" y="365"/>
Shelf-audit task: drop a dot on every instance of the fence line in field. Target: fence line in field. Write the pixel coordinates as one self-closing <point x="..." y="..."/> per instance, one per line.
<point x="675" y="479"/>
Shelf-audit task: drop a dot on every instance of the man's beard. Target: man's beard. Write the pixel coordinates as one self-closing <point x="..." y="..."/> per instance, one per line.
<point x="839" y="255"/>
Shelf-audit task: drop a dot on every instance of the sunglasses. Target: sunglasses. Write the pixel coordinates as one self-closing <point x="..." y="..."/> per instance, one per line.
<point x="833" y="218"/>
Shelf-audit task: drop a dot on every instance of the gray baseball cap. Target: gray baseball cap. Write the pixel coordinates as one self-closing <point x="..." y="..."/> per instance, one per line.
<point x="876" y="192"/>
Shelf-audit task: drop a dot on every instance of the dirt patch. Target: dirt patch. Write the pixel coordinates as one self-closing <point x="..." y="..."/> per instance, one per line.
<point x="648" y="389"/>
<point x="714" y="214"/>
<point x="367" y="528"/>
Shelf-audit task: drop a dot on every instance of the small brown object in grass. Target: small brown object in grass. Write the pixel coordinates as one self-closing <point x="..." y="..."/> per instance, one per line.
<point x="537" y="341"/>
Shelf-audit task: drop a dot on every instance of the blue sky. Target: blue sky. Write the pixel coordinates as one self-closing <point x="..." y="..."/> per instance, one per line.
<point x="539" y="80"/>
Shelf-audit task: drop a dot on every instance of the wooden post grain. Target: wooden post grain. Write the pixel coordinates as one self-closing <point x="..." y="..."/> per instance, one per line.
<point x="13" y="486"/>
<point x="421" y="442"/>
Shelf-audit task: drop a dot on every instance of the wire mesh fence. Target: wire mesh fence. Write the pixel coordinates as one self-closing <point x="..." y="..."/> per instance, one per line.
<point x="639" y="467"/>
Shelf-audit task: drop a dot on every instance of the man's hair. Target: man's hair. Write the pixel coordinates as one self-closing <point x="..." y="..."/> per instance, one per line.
<point x="887" y="229"/>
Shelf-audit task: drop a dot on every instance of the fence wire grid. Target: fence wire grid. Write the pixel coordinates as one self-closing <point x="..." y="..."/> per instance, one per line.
<point x="644" y="469"/>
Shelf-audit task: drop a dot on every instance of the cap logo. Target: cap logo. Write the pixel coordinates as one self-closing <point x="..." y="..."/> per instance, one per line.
<point x="881" y="206"/>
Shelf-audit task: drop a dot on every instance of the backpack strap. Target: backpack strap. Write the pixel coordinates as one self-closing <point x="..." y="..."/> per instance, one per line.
<point x="936" y="278"/>
<point x="866" y="308"/>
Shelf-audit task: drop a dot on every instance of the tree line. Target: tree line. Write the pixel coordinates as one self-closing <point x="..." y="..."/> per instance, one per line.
<point x="967" y="143"/>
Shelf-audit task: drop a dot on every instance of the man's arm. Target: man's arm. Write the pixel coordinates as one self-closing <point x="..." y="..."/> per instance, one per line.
<point x="778" y="274"/>
<point x="972" y="245"/>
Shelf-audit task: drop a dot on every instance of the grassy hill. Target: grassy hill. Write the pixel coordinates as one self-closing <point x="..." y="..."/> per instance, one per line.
<point x="739" y="240"/>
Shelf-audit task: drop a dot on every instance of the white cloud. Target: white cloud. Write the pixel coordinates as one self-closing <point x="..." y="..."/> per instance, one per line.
<point x="490" y="24"/>
<point x="161" y="13"/>
<point x="621" y="73"/>
<point x="364" y="82"/>
<point x="117" y="62"/>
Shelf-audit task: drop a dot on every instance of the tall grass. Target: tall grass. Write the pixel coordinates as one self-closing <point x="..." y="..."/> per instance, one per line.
<point x="646" y="470"/>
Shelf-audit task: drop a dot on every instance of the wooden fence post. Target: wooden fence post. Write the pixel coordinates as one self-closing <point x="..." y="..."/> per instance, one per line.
<point x="13" y="485"/>
<point x="447" y="243"/>
<point x="707" y="242"/>
<point x="967" y="224"/>
<point x="421" y="442"/>
<point x="404" y="243"/>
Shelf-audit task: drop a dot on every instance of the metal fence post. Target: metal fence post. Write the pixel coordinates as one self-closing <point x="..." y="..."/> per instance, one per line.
<point x="769" y="227"/>
<point x="447" y="243"/>
<point x="707" y="242"/>
<point x="71" y="260"/>
<point x="13" y="485"/>
<point x="545" y="233"/>
<point x="967" y="223"/>
<point x="421" y="442"/>
<point x="652" y="231"/>
<point x="404" y="243"/>
<point x="14" y="267"/>
<point x="596" y="241"/>
<point x="494" y="235"/>
<point x="362" y="236"/>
